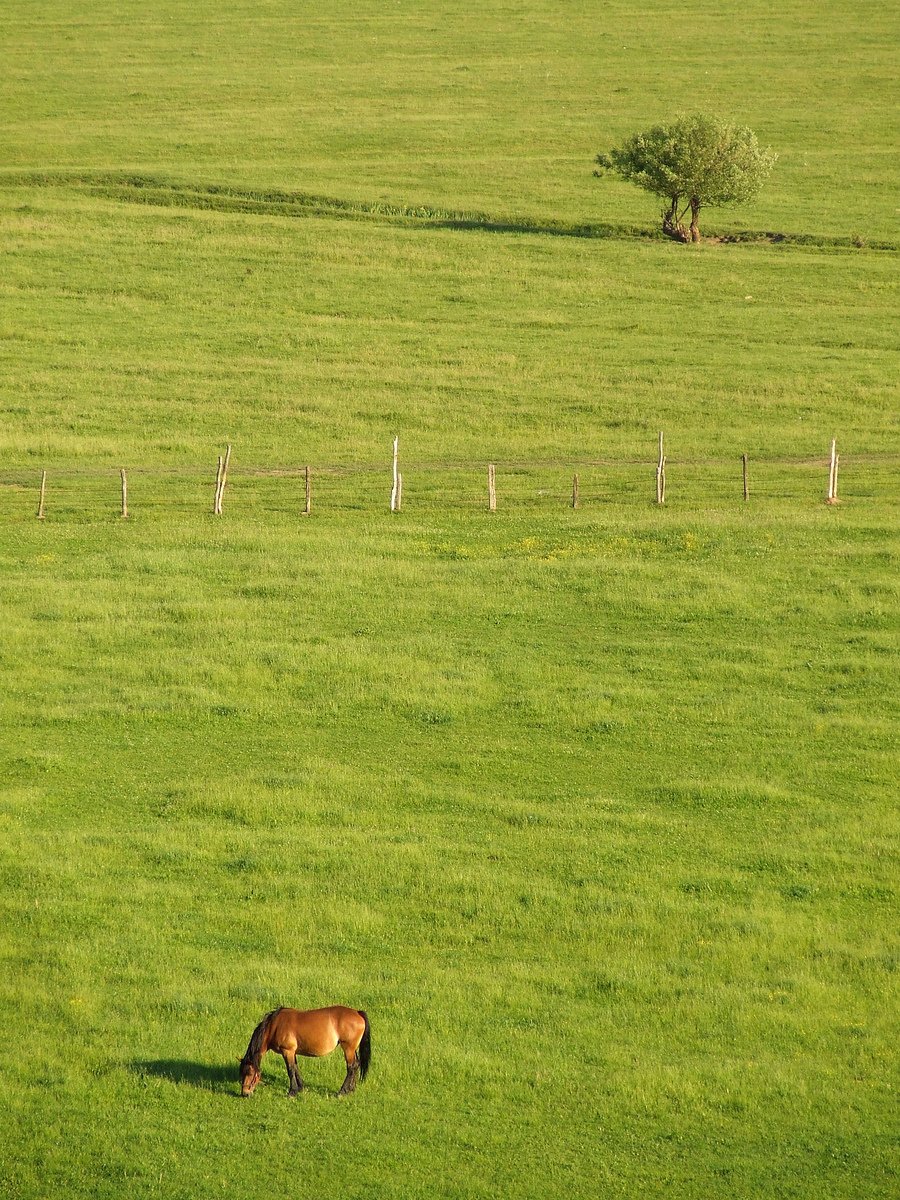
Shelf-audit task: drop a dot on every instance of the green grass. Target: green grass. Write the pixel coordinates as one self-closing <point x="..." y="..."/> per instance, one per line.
<point x="151" y="336"/>
<point x="491" y="107"/>
<point x="592" y="811"/>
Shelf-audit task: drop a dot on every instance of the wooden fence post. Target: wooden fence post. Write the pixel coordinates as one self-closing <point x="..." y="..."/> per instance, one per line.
<point x="831" y="498"/>
<point x="575" y="491"/>
<point x="221" y="477"/>
<point x="124" y="494"/>
<point x="218" y="481"/>
<point x="224" y="476"/>
<point x="492" y="487"/>
<point x="396" y="487"/>
<point x="661" y="473"/>
<point x="308" y="507"/>
<point x="746" y="481"/>
<point x="40" y="511"/>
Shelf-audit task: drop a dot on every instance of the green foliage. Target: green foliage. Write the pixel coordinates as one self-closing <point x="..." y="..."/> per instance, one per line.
<point x="703" y="156"/>
<point x="699" y="158"/>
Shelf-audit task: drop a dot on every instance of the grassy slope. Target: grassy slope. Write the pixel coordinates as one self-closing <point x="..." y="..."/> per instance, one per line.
<point x="592" y="811"/>
<point x="493" y="106"/>
<point x="312" y="338"/>
<point x="597" y="826"/>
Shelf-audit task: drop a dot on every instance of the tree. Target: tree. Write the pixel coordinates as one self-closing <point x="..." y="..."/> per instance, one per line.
<point x="697" y="161"/>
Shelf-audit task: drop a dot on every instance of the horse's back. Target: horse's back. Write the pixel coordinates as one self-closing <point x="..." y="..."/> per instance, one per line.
<point x="314" y="1032"/>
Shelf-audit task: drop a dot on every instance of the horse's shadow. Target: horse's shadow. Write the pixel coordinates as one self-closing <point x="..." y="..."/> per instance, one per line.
<point x="208" y="1077"/>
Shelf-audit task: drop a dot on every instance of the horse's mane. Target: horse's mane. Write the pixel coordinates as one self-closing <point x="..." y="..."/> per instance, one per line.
<point x="254" y="1050"/>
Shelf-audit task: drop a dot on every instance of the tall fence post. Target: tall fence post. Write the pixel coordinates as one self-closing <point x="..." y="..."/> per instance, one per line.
<point x="40" y="511"/>
<point x="574" y="491"/>
<point x="124" y="494"/>
<point x="661" y="473"/>
<point x="308" y="506"/>
<point x="224" y="476"/>
<point x="221" y="477"/>
<point x="831" y="498"/>
<point x="218" y="481"/>
<point x="395" y="490"/>
<point x="492" y="487"/>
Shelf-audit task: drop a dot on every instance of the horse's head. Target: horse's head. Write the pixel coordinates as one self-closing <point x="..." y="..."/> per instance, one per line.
<point x="250" y="1077"/>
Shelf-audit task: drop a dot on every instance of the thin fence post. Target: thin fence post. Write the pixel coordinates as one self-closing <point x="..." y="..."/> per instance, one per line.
<point x="746" y="481"/>
<point x="225" y="463"/>
<point x="221" y="476"/>
<point x="308" y="506"/>
<point x="575" y="491"/>
<point x="831" y="498"/>
<point x="40" y="511"/>
<point x="395" y="488"/>
<point x="218" y="481"/>
<point x="492" y="487"/>
<point x="661" y="473"/>
<point x="124" y="494"/>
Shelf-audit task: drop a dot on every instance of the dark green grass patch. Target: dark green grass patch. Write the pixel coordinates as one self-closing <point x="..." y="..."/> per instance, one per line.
<point x="156" y="191"/>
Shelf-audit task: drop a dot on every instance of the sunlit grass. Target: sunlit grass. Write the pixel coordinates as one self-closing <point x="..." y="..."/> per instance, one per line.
<point x="140" y="337"/>
<point x="592" y="810"/>
<point x="529" y="790"/>
<point x="481" y="108"/>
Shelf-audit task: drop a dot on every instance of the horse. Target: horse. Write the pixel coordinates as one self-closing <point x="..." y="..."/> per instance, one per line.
<point x="289" y="1032"/>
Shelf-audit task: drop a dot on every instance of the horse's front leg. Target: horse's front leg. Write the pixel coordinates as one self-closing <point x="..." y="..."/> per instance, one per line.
<point x="290" y="1061"/>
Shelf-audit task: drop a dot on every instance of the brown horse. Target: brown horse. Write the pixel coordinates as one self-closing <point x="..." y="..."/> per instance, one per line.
<point x="290" y="1032"/>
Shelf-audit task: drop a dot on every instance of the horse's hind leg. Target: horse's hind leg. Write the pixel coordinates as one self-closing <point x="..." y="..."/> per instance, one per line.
<point x="349" y="1084"/>
<point x="290" y="1061"/>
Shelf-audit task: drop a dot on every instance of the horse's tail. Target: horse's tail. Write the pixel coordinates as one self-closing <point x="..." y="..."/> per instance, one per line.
<point x="365" y="1048"/>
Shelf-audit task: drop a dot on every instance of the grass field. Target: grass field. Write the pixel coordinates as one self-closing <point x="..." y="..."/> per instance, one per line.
<point x="593" y="811"/>
<point x="498" y="106"/>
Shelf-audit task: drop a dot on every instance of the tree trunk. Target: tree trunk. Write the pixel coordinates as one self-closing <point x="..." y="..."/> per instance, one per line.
<point x="671" y="225"/>
<point x="695" y="219"/>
